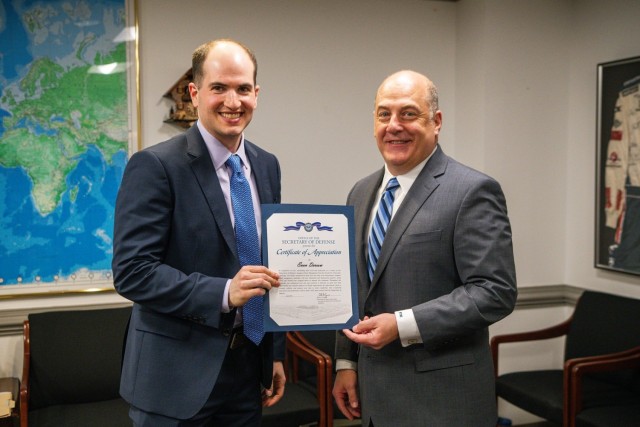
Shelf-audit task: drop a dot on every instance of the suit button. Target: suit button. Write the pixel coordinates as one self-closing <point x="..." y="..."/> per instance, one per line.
<point x="226" y="332"/>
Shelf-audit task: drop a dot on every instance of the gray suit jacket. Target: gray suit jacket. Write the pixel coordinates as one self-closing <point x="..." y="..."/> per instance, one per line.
<point x="174" y="250"/>
<point x="448" y="256"/>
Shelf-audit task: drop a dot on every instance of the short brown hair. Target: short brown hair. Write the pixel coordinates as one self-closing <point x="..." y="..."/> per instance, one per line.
<point x="200" y="54"/>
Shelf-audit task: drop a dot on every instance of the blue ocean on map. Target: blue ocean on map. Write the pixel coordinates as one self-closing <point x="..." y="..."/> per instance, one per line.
<point x="75" y="235"/>
<point x="74" y="238"/>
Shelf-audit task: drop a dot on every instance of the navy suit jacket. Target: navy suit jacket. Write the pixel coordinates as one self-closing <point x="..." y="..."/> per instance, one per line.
<point x="174" y="250"/>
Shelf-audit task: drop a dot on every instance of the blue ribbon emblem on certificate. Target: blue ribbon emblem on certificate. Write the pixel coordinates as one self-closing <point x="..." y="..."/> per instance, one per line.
<point x="308" y="227"/>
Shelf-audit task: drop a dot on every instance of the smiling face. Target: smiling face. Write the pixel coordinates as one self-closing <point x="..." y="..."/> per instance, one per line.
<point x="405" y="128"/>
<point x="226" y="94"/>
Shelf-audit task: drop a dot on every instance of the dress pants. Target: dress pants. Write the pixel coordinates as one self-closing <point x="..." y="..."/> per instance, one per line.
<point x="235" y="401"/>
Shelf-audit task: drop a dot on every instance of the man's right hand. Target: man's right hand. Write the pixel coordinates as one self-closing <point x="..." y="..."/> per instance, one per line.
<point x="345" y="392"/>
<point x="251" y="281"/>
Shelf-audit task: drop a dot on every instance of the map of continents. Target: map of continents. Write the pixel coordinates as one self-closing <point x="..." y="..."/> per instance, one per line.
<point x="64" y="126"/>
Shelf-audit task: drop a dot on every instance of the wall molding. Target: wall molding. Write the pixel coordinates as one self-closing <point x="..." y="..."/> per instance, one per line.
<point x="548" y="296"/>
<point x="529" y="297"/>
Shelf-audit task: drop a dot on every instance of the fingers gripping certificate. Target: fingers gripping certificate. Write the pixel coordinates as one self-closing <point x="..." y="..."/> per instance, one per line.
<point x="312" y="248"/>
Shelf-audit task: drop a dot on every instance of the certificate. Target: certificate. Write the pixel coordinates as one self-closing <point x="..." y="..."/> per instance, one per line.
<point x="312" y="248"/>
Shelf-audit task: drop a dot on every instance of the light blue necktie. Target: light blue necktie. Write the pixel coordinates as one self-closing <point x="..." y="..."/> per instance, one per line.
<point x="380" y="224"/>
<point x="248" y="245"/>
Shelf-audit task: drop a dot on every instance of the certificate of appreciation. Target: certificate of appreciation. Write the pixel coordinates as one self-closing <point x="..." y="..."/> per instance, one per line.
<point x="312" y="248"/>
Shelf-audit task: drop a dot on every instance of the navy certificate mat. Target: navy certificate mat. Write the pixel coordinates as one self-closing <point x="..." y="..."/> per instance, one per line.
<point x="310" y="220"/>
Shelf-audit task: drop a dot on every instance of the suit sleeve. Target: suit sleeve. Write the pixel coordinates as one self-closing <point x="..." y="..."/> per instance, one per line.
<point x="483" y="258"/>
<point x="142" y="232"/>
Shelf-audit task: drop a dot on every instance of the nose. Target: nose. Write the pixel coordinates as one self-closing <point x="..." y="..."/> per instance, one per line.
<point x="394" y="124"/>
<point x="231" y="100"/>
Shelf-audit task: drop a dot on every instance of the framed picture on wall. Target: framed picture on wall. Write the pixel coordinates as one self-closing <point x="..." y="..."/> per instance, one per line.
<point x="617" y="243"/>
<point x="69" y="119"/>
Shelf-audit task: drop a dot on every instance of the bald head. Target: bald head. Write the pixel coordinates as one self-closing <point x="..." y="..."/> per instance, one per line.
<point x="407" y="80"/>
<point x="228" y="47"/>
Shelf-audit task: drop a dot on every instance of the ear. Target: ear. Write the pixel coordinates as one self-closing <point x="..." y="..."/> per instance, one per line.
<point x="437" y="121"/>
<point x="193" y="91"/>
<point x="257" y="89"/>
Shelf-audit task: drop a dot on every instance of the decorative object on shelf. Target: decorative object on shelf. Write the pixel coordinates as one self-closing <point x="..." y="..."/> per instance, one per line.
<point x="182" y="113"/>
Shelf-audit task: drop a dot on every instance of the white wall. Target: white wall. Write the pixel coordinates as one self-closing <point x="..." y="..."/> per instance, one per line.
<point x="511" y="103"/>
<point x="319" y="65"/>
<point x="601" y="32"/>
<point x="518" y="90"/>
<point x="525" y="109"/>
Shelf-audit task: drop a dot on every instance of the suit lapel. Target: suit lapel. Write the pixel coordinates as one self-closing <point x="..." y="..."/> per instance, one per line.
<point x="265" y="192"/>
<point x="205" y="174"/>
<point x="422" y="188"/>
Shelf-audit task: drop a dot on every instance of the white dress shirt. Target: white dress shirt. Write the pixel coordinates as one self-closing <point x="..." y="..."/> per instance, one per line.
<point x="219" y="156"/>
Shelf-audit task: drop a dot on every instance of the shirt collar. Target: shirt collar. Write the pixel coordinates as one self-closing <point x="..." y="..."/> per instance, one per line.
<point x="218" y="152"/>
<point x="406" y="180"/>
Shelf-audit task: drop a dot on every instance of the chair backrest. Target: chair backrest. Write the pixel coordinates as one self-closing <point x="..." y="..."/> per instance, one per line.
<point x="604" y="323"/>
<point x="75" y="356"/>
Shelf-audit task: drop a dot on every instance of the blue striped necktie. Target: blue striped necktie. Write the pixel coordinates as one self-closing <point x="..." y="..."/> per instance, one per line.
<point x="248" y="245"/>
<point x="380" y="224"/>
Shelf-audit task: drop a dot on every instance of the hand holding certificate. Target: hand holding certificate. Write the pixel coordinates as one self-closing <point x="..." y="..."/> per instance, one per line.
<point x="312" y="248"/>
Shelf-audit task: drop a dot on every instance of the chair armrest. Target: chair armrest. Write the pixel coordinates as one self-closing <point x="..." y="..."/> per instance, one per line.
<point x="540" y="334"/>
<point x="328" y="364"/>
<point x="24" y="386"/>
<point x="313" y="355"/>
<point x="574" y="369"/>
<point x="303" y="341"/>
<point x="304" y="351"/>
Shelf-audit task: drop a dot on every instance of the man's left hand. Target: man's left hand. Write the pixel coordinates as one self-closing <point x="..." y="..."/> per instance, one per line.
<point x="375" y="332"/>
<point x="272" y="395"/>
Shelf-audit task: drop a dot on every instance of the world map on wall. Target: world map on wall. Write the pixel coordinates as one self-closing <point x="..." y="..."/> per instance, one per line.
<point x="64" y="138"/>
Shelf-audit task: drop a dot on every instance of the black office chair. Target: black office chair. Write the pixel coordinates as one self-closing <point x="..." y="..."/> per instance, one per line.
<point x="325" y="342"/>
<point x="601" y="324"/>
<point x="71" y="372"/>
<point x="625" y="366"/>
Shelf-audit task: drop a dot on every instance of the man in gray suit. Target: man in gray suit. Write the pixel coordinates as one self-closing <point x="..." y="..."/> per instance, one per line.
<point x="431" y="282"/>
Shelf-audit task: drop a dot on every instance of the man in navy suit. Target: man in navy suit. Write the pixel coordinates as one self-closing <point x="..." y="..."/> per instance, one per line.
<point x="187" y="361"/>
<point x="444" y="272"/>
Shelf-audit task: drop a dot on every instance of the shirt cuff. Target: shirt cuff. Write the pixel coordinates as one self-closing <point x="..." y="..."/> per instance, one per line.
<point x="225" y="298"/>
<point x="346" y="364"/>
<point x="408" y="328"/>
